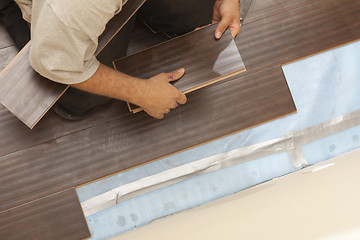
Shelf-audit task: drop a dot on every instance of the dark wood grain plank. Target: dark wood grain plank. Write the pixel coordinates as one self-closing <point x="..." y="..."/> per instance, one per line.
<point x="261" y="9"/>
<point x="142" y="37"/>
<point x="137" y="138"/>
<point x="58" y="216"/>
<point x="15" y="136"/>
<point x="24" y="92"/>
<point x="27" y="94"/>
<point x="205" y="59"/>
<point x="299" y="33"/>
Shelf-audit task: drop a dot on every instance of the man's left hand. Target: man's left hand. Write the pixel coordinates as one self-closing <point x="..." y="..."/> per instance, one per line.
<point x="227" y="14"/>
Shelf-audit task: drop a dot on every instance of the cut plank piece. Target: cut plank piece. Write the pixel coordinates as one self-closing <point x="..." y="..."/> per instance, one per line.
<point x="28" y="95"/>
<point x="108" y="148"/>
<point x="58" y="216"/>
<point x="205" y="59"/>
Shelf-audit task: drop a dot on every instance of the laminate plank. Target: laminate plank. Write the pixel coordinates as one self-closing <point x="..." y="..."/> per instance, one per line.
<point x="142" y="37"/>
<point x="108" y="148"/>
<point x="15" y="136"/>
<point x="244" y="8"/>
<point x="205" y="59"/>
<point x="261" y="9"/>
<point x="299" y="33"/>
<point x="27" y="94"/>
<point x="58" y="216"/>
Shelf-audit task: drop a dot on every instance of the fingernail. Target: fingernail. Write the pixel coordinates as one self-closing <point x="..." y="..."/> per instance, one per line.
<point x="218" y="35"/>
<point x="181" y="70"/>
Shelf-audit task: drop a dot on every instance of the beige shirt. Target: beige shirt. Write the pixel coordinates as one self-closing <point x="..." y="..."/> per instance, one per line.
<point x="64" y="35"/>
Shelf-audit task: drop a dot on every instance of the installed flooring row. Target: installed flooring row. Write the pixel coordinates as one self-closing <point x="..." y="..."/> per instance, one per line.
<point x="58" y="155"/>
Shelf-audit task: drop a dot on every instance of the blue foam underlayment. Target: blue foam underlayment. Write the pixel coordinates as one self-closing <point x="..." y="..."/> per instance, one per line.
<point x="324" y="87"/>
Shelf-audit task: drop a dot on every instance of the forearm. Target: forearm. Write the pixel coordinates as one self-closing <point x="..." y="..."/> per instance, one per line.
<point x="111" y="83"/>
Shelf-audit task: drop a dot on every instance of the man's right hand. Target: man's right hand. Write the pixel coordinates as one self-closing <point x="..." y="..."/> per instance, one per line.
<point x="155" y="95"/>
<point x="160" y="96"/>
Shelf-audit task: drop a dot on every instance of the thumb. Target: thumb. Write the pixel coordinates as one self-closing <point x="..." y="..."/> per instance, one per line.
<point x="222" y="26"/>
<point x="175" y="75"/>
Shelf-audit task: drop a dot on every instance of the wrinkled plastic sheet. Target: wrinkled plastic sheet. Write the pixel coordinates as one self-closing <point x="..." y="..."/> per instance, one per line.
<point x="326" y="91"/>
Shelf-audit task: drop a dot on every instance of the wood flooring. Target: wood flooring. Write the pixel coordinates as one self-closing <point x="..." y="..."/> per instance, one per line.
<point x="58" y="216"/>
<point x="58" y="155"/>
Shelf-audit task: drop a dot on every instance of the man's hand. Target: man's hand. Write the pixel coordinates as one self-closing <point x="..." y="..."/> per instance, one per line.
<point x="227" y="13"/>
<point x="155" y="95"/>
<point x="160" y="96"/>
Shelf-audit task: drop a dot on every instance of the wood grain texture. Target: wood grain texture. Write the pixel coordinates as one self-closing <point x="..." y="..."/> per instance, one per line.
<point x="244" y="8"/>
<point x="299" y="33"/>
<point x="142" y="37"/>
<point x="261" y="9"/>
<point x="27" y="94"/>
<point x="15" y="136"/>
<point x="205" y="59"/>
<point x="58" y="216"/>
<point x="107" y="148"/>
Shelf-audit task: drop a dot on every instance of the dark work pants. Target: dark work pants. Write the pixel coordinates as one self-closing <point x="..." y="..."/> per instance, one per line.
<point x="170" y="16"/>
<point x="17" y="27"/>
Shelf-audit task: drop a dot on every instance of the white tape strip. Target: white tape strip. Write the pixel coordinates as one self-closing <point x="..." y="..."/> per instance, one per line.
<point x="291" y="142"/>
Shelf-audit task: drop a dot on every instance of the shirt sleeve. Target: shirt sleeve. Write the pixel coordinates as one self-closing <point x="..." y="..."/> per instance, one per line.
<point x="64" y="37"/>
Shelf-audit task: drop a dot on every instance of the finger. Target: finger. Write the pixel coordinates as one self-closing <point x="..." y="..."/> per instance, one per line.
<point x="175" y="106"/>
<point x="222" y="26"/>
<point x="158" y="116"/>
<point x="235" y="28"/>
<point x="175" y="75"/>
<point x="155" y="115"/>
<point x="167" y="110"/>
<point x="181" y="99"/>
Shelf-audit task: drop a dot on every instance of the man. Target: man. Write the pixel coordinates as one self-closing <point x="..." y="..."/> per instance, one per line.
<point x="64" y="39"/>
